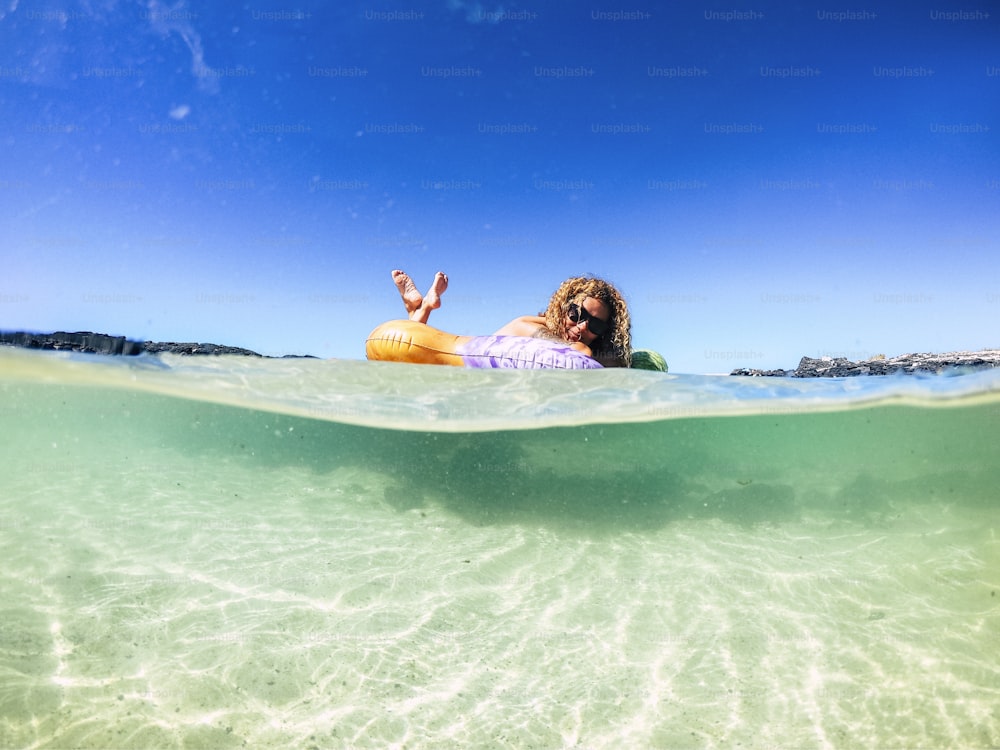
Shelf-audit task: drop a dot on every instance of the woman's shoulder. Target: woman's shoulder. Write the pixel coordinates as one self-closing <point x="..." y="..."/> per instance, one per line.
<point x="526" y="325"/>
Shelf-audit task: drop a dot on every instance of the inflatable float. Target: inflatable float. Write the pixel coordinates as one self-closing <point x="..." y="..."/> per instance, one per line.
<point x="419" y="343"/>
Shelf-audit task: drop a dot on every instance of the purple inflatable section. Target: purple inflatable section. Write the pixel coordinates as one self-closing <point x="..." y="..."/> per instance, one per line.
<point x="522" y="353"/>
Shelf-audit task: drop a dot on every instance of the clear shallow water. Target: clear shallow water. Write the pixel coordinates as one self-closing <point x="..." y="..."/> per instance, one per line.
<point x="204" y="554"/>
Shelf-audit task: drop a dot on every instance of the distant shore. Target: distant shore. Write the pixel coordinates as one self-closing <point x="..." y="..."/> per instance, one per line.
<point x="101" y="343"/>
<point x="906" y="364"/>
<point x="808" y="367"/>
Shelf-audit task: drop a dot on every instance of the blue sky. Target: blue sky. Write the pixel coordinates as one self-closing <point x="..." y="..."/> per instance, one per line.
<point x="761" y="183"/>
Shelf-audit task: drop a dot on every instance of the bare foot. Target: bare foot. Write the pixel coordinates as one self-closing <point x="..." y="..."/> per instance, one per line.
<point x="432" y="299"/>
<point x="408" y="291"/>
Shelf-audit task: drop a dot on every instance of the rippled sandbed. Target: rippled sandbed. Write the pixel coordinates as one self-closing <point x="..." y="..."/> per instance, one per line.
<point x="237" y="553"/>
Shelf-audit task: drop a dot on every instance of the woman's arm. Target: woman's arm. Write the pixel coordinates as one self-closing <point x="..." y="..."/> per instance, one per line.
<point x="611" y="361"/>
<point x="608" y="357"/>
<point x="533" y="326"/>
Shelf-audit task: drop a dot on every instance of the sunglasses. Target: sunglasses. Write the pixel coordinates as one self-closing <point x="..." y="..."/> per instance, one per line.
<point x="578" y="314"/>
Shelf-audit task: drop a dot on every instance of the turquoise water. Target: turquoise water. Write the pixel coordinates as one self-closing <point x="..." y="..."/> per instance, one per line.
<point x="245" y="553"/>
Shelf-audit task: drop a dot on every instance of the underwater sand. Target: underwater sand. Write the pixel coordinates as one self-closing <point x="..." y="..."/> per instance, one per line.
<point x="340" y="554"/>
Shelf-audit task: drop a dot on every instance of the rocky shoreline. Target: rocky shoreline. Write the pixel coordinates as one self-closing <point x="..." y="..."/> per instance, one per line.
<point x="101" y="343"/>
<point x="906" y="364"/>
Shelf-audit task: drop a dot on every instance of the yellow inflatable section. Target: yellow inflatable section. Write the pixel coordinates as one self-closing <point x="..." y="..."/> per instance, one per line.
<point x="419" y="343"/>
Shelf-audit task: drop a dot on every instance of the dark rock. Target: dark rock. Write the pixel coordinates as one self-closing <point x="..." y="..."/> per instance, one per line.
<point x="909" y="364"/>
<point x="92" y="343"/>
<point x="159" y="347"/>
<point x="100" y="343"/>
<point x="752" y="373"/>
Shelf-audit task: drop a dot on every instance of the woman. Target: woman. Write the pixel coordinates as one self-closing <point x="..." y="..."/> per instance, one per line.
<point x="588" y="313"/>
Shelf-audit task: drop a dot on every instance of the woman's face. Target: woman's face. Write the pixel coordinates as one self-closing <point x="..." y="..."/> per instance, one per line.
<point x="584" y="311"/>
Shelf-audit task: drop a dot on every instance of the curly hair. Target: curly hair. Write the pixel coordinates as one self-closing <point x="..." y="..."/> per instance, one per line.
<point x="616" y="343"/>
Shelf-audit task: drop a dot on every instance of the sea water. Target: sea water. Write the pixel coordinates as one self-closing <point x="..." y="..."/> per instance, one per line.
<point x="234" y="552"/>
